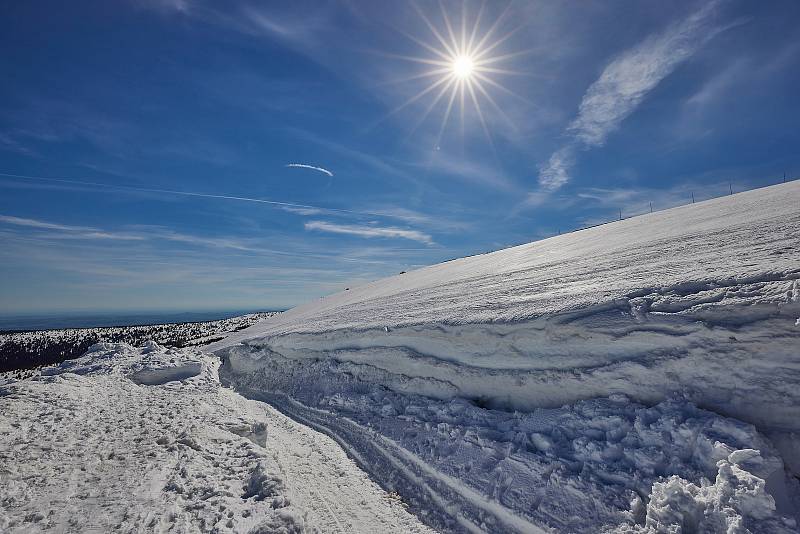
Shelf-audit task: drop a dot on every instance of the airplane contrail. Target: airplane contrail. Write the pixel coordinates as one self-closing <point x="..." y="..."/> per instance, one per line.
<point x="313" y="168"/>
<point x="276" y="203"/>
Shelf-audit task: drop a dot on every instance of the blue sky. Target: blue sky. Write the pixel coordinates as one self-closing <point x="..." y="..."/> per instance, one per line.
<point x="188" y="155"/>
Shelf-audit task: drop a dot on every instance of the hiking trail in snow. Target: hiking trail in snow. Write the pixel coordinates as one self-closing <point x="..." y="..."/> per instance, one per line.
<point x="147" y="440"/>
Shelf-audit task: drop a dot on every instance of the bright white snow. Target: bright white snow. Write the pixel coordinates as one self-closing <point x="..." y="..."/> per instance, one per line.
<point x="566" y="383"/>
<point x="89" y="446"/>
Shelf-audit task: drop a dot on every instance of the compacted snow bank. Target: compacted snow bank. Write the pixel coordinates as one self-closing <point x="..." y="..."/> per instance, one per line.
<point x="565" y="383"/>
<point x="146" y="440"/>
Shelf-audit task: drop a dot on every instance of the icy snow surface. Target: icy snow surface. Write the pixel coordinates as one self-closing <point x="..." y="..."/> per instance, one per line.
<point x="617" y="377"/>
<point x="88" y="446"/>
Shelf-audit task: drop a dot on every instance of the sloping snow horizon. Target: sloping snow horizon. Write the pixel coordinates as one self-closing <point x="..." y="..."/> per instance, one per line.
<point x="692" y="308"/>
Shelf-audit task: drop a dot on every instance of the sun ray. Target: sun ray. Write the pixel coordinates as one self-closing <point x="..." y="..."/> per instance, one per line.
<point x="426" y="74"/>
<point x="480" y="115"/>
<point x="505" y="57"/>
<point x="419" y="95"/>
<point x="433" y="29"/>
<point x="501" y="87"/>
<point x="494" y="70"/>
<point x="464" y="29"/>
<point x="450" y="32"/>
<point x="497" y="42"/>
<point x="431" y="48"/>
<point x="461" y="99"/>
<point x="475" y="27"/>
<point x="494" y="104"/>
<point x="432" y="105"/>
<point x="446" y="116"/>
<point x="492" y="29"/>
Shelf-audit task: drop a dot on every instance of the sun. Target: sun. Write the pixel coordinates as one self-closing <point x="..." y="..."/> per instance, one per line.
<point x="464" y="65"/>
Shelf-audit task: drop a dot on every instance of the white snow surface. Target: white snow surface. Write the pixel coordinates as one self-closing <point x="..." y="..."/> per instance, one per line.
<point x="147" y="440"/>
<point x="603" y="379"/>
<point x="703" y="299"/>
<point x="681" y="252"/>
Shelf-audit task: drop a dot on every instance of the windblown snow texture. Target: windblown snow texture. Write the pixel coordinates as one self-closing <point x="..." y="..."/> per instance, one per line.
<point x="611" y="378"/>
<point x="146" y="440"/>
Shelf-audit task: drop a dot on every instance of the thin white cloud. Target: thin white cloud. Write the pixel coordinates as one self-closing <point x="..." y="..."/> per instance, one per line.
<point x="311" y="167"/>
<point x="141" y="233"/>
<point x="33" y="223"/>
<point x="304" y="211"/>
<point x="369" y="231"/>
<point x="624" y="84"/>
<point x="67" y="231"/>
<point x="287" y="206"/>
<point x="556" y="173"/>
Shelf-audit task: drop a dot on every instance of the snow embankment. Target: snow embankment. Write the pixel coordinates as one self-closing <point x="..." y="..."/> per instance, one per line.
<point x="146" y="440"/>
<point x="700" y="301"/>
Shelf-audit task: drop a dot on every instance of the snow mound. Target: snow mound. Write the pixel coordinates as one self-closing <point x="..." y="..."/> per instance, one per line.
<point x="736" y="503"/>
<point x="170" y="373"/>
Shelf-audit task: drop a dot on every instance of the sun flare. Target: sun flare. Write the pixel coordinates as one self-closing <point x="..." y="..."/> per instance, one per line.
<point x="464" y="64"/>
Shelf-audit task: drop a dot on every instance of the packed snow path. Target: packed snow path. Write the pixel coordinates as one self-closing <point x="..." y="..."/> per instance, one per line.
<point x="457" y="365"/>
<point x="146" y="440"/>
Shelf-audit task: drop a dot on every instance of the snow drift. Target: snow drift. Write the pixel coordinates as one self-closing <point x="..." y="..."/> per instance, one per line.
<point x="702" y="298"/>
<point x="698" y="305"/>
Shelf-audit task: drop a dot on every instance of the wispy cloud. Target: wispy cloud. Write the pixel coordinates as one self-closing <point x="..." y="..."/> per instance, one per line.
<point x="137" y="233"/>
<point x="33" y="223"/>
<point x="624" y="84"/>
<point x="79" y="232"/>
<point x="369" y="231"/>
<point x="303" y="209"/>
<point x="556" y="173"/>
<point x="312" y="167"/>
<point x="299" y="29"/>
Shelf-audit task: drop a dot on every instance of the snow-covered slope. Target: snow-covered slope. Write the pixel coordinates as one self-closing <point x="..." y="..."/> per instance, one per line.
<point x="457" y="365"/>
<point x="745" y="238"/>
<point x="146" y="440"/>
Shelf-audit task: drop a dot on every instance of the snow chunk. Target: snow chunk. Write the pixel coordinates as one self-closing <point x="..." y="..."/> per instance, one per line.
<point x="737" y="502"/>
<point x="263" y="484"/>
<point x="164" y="375"/>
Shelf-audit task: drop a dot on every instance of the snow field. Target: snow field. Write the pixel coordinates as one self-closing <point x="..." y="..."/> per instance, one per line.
<point x="87" y="446"/>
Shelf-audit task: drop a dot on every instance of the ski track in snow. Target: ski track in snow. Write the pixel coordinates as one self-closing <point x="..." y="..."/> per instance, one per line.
<point x="604" y="379"/>
<point x="88" y="446"/>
